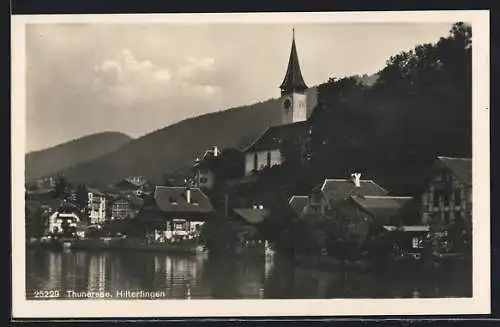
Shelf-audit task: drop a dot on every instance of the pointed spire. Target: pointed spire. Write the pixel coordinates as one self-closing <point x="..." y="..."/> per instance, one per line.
<point x="293" y="81"/>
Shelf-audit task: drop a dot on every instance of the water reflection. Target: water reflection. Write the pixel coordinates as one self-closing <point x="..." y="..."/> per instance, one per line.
<point x="196" y="277"/>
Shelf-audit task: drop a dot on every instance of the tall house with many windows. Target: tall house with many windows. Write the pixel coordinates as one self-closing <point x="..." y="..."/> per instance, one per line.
<point x="447" y="199"/>
<point x="96" y="206"/>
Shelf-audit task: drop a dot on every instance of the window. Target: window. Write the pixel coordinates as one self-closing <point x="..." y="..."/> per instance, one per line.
<point x="179" y="226"/>
<point x="255" y="161"/>
<point x="457" y="197"/>
<point x="416" y="243"/>
<point x="203" y="180"/>
<point x="269" y="159"/>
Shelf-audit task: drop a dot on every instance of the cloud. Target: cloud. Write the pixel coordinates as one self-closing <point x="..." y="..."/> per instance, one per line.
<point x="128" y="79"/>
<point x="200" y="90"/>
<point x="198" y="70"/>
<point x="126" y="69"/>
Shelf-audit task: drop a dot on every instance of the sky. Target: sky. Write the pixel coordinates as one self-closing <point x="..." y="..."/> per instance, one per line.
<point x="137" y="78"/>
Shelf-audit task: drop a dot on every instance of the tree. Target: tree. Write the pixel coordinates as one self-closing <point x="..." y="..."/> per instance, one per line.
<point x="419" y="106"/>
<point x="61" y="187"/>
<point x="36" y="221"/>
<point x="81" y="196"/>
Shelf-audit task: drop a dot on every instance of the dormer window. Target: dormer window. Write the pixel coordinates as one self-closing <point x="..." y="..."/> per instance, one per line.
<point x="173" y="201"/>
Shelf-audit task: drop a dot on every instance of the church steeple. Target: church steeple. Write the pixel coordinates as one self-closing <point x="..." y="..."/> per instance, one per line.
<point x="293" y="81"/>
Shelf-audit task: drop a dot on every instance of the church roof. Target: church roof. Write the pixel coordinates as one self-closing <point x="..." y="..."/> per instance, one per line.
<point x="293" y="80"/>
<point x="272" y="137"/>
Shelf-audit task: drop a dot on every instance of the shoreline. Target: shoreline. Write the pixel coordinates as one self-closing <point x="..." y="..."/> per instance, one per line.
<point x="116" y="245"/>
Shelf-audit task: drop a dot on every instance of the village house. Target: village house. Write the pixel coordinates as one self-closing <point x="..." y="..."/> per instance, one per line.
<point x="46" y="183"/>
<point x="251" y="216"/>
<point x="332" y="191"/>
<point x="363" y="218"/>
<point x="176" y="213"/>
<point x="64" y="219"/>
<point x="447" y="198"/>
<point x="268" y="149"/>
<point x="298" y="203"/>
<point x="203" y="174"/>
<point x="125" y="206"/>
<point x="446" y="204"/>
<point x="96" y="206"/>
<point x="134" y="184"/>
<point x="248" y="221"/>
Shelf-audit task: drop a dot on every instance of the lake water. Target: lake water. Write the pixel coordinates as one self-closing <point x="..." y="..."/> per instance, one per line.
<point x="115" y="275"/>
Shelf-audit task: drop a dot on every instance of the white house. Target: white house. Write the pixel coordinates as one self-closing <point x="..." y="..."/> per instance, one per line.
<point x="96" y="206"/>
<point x="57" y="219"/>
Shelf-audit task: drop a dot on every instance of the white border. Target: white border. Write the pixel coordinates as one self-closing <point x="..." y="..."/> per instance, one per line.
<point x="478" y="304"/>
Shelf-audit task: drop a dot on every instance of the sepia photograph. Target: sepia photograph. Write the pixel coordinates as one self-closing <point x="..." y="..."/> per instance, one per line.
<point x="282" y="164"/>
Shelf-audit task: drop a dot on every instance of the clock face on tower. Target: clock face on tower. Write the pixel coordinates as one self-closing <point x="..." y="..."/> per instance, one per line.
<point x="287" y="104"/>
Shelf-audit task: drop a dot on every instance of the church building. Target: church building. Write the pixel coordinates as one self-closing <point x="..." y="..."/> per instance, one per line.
<point x="267" y="150"/>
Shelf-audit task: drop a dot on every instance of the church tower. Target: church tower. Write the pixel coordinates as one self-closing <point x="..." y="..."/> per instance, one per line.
<point x="293" y="91"/>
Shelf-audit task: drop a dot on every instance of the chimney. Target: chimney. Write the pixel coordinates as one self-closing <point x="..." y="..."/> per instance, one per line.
<point x="356" y="179"/>
<point x="216" y="151"/>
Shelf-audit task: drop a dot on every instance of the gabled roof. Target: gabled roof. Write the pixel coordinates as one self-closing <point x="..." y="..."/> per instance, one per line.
<point x="252" y="216"/>
<point x="382" y="208"/>
<point x="272" y="137"/>
<point x="132" y="198"/>
<point x="340" y="189"/>
<point x="298" y="203"/>
<point x="137" y="181"/>
<point x="460" y="167"/>
<point x="293" y="80"/>
<point x="173" y="199"/>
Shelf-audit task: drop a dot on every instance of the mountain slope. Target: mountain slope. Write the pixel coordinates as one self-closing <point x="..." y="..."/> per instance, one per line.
<point x="51" y="160"/>
<point x="177" y="145"/>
